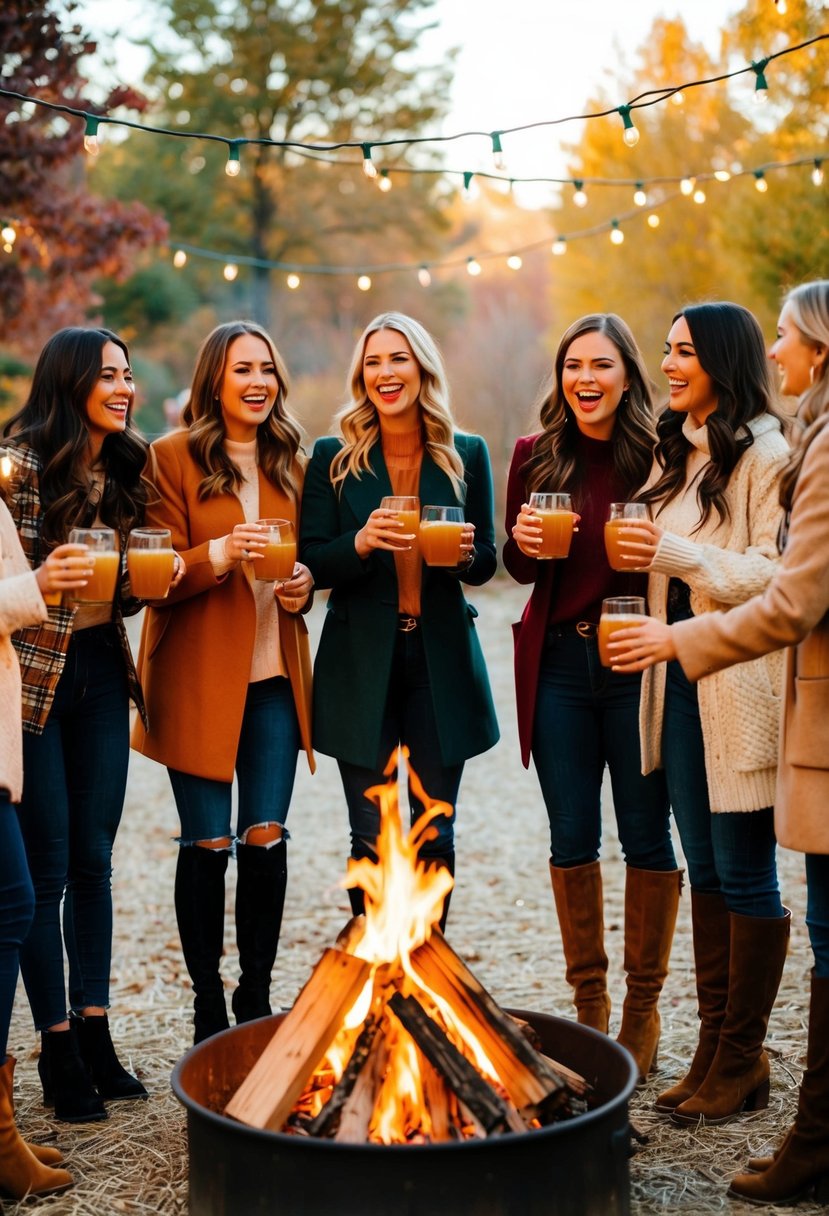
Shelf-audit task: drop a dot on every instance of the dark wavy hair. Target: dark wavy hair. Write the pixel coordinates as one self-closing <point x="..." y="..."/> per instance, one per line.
<point x="554" y="463"/>
<point x="277" y="438"/>
<point x="729" y="344"/>
<point x="53" y="423"/>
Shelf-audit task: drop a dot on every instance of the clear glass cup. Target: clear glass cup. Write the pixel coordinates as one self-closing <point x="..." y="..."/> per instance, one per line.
<point x="441" y="529"/>
<point x="555" y="514"/>
<point x="618" y="612"/>
<point x="106" y="563"/>
<point x="407" y="509"/>
<point x="151" y="562"/>
<point x="619" y="516"/>
<point x="279" y="555"/>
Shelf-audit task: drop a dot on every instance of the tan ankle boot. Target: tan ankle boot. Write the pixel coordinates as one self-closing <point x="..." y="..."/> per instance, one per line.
<point x="579" y="904"/>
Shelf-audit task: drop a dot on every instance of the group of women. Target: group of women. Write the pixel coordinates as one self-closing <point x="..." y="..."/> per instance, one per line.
<point x="223" y="679"/>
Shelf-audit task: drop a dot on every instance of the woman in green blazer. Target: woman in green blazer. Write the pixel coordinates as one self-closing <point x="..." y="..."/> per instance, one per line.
<point x="399" y="660"/>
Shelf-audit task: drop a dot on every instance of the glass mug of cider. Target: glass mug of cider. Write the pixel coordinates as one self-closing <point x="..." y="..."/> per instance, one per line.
<point x="106" y="563"/>
<point x="618" y="612"/>
<point x="555" y="514"/>
<point x="441" y="530"/>
<point x="151" y="562"/>
<point x="407" y="509"/>
<point x="621" y="514"/>
<point x="279" y="555"/>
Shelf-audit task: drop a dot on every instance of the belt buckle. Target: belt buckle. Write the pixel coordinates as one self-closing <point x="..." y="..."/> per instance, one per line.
<point x="586" y="629"/>
<point x="406" y="624"/>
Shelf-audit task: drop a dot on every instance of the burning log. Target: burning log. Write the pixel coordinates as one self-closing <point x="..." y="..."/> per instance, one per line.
<point x="267" y="1095"/>
<point x="359" y="1106"/>
<point x="329" y="1117"/>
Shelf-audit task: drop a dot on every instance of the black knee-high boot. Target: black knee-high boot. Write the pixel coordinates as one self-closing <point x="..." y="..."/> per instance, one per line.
<point x="262" y="876"/>
<point x="200" y="912"/>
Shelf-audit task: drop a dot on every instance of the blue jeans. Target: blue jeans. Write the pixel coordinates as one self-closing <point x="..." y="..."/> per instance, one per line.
<point x="817" y="909"/>
<point x="73" y="796"/>
<point x="408" y="719"/>
<point x="17" y="906"/>
<point x="266" y="761"/>
<point x="731" y="852"/>
<point x="587" y="717"/>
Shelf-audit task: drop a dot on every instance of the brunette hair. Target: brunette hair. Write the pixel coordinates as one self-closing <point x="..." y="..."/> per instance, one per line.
<point x="554" y="463"/>
<point x="277" y="438"/>
<point x="809" y="310"/>
<point x="729" y="345"/>
<point x="53" y="423"/>
<point x="358" y="421"/>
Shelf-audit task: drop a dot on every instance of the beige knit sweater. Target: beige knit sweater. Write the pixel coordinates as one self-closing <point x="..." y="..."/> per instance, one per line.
<point x="723" y="563"/>
<point x="20" y="604"/>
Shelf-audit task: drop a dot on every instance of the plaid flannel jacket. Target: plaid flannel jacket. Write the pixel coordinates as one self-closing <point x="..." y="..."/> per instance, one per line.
<point x="42" y="649"/>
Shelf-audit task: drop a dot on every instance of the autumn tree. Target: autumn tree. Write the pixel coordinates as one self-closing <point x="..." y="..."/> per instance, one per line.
<point x="65" y="237"/>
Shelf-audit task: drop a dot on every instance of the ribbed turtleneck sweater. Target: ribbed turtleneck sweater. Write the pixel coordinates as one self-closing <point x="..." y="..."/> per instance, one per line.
<point x="403" y="454"/>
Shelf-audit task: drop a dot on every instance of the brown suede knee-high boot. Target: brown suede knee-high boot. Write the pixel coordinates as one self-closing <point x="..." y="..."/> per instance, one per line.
<point x="711" y="935"/>
<point x="21" y="1173"/>
<point x="579" y="904"/>
<point x="738" y="1078"/>
<point x="651" y="903"/>
<point x="802" y="1163"/>
<point x="44" y="1153"/>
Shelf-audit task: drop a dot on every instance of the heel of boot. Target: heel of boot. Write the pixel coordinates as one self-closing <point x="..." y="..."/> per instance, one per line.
<point x="758" y="1099"/>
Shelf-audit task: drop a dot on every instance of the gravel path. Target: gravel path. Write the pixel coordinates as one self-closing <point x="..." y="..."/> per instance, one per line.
<point x="502" y="922"/>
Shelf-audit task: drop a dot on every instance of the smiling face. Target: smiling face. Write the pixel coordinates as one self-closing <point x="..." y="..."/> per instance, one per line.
<point x="692" y="389"/>
<point x="593" y="379"/>
<point x="107" y="406"/>
<point x="797" y="359"/>
<point x="391" y="374"/>
<point x="248" y="388"/>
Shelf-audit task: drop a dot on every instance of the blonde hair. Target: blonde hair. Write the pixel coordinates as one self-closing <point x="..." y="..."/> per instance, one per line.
<point x="808" y="307"/>
<point x="358" y="421"/>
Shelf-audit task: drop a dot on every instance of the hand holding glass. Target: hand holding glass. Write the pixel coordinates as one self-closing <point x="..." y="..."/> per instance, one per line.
<point x="555" y="514"/>
<point x="279" y="555"/>
<point x="106" y="562"/>
<point x="618" y="612"/>
<point x="620" y="516"/>
<point x="151" y="562"/>
<point x="441" y="532"/>
<point x="407" y="509"/>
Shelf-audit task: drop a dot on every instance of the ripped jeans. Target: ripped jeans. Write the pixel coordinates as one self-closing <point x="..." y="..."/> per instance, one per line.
<point x="266" y="760"/>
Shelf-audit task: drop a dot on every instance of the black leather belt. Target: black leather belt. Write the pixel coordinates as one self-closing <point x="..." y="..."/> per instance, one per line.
<point x="585" y="629"/>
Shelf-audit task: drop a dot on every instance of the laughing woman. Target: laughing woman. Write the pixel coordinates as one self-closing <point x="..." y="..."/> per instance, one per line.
<point x="399" y="659"/>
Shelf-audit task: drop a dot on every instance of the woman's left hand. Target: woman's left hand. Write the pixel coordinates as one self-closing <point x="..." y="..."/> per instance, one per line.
<point x="467" y="544"/>
<point x="638" y="541"/>
<point x="641" y="646"/>
<point x="299" y="585"/>
<point x="179" y="570"/>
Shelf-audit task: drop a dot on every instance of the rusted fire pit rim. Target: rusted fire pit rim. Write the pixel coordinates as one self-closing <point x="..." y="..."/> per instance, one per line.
<point x="315" y="1144"/>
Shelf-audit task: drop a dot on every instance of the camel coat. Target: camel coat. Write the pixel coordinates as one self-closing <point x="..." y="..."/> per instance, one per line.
<point x="196" y="645"/>
<point x="793" y="612"/>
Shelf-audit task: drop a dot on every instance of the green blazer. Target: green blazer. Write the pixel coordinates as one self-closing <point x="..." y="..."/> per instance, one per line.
<point x="353" y="663"/>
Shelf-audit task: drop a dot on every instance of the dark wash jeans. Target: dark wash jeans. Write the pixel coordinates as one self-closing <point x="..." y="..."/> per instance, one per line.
<point x="408" y="719"/>
<point x="817" y="909"/>
<point x="17" y="905"/>
<point x="586" y="717"/>
<point x="75" y="777"/>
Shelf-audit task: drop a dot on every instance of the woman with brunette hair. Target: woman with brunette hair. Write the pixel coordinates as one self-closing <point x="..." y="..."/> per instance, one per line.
<point x="224" y="661"/>
<point x="399" y="659"/>
<point x="793" y="612"/>
<point x="574" y="716"/>
<point x="712" y="542"/>
<point x="78" y="460"/>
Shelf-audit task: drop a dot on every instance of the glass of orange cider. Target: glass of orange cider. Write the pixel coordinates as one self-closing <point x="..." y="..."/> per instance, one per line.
<point x="407" y="509"/>
<point x="621" y="514"/>
<point x="106" y="563"/>
<point x="279" y="555"/>
<point x="441" y="530"/>
<point x="151" y="562"/>
<point x="555" y="514"/>
<point x="618" y="612"/>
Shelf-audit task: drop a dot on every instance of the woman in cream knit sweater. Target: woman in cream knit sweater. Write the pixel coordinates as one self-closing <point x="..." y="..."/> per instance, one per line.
<point x="712" y="543"/>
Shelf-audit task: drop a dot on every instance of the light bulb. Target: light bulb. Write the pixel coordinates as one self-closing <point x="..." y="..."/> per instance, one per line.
<point x="368" y="164"/>
<point x="230" y="271"/>
<point x="559" y="246"/>
<point x="639" y="197"/>
<point x="616" y="234"/>
<point x="699" y="196"/>
<point x="385" y="182"/>
<point x="722" y="175"/>
<point x="653" y="220"/>
<point x="233" y="167"/>
<point x="293" y="281"/>
<point x="469" y="191"/>
<point x="514" y="262"/>
<point x="579" y="196"/>
<point x="364" y="282"/>
<point x="179" y="259"/>
<point x="678" y="98"/>
<point x="497" y="152"/>
<point x="630" y="134"/>
<point x="760" y="183"/>
<point x="473" y="267"/>
<point x="817" y="173"/>
<point x="686" y="186"/>
<point x="781" y="7"/>
<point x="423" y="276"/>
<point x="761" y="87"/>
<point x="90" y="138"/>
<point x="10" y="236"/>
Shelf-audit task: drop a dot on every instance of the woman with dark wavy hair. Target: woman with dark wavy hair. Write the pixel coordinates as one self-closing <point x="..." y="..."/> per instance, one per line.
<point x="574" y="717"/>
<point x="78" y="460"/>
<point x="712" y="543"/>
<point x="225" y="663"/>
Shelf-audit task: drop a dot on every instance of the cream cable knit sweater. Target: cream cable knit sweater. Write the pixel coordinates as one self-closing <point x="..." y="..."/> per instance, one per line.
<point x="723" y="563"/>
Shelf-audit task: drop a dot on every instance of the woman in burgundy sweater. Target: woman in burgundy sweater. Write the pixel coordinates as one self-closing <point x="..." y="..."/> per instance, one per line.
<point x="574" y="715"/>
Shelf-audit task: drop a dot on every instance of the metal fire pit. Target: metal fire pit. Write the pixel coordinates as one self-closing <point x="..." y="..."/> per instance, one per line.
<point x="575" y="1168"/>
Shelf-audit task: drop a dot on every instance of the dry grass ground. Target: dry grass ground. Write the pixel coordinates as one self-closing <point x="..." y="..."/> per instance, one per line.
<point x="502" y="922"/>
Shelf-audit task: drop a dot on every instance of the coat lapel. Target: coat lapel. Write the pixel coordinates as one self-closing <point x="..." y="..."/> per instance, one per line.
<point x="363" y="493"/>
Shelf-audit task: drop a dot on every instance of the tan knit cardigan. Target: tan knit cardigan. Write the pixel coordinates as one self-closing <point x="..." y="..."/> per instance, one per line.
<point x="723" y="563"/>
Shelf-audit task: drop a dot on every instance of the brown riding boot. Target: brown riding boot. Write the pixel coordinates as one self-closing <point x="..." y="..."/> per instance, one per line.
<point x="45" y="1154"/>
<point x="738" y="1078"/>
<point x="651" y="903"/>
<point x="21" y="1173"/>
<point x="711" y="933"/>
<point x="579" y="904"/>
<point x="801" y="1166"/>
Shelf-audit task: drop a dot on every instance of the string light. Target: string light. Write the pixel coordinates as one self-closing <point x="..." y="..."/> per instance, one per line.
<point x="781" y="7"/>
<point x="653" y="220"/>
<point x="473" y="267"/>
<point x="423" y="277"/>
<point x="230" y="271"/>
<point x="514" y="262"/>
<point x="497" y="152"/>
<point x="179" y="259"/>
<point x="90" y="136"/>
<point x="722" y="175"/>
<point x="364" y="282"/>
<point x="699" y="195"/>
<point x="559" y="246"/>
<point x="817" y="173"/>
<point x="579" y="196"/>
<point x="293" y="281"/>
<point x="467" y="192"/>
<point x="233" y="167"/>
<point x="761" y="88"/>
<point x="686" y="186"/>
<point x="616" y="234"/>
<point x="640" y="198"/>
<point x="678" y="98"/>
<point x="760" y="182"/>
<point x="384" y="183"/>
<point x="630" y="133"/>
<point x="369" y="168"/>
<point x="8" y="234"/>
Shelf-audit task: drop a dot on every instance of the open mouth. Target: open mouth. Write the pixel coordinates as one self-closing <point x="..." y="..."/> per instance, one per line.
<point x="589" y="398"/>
<point x="390" y="392"/>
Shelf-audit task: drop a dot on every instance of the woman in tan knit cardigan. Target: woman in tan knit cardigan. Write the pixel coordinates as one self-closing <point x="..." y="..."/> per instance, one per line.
<point x="711" y="543"/>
